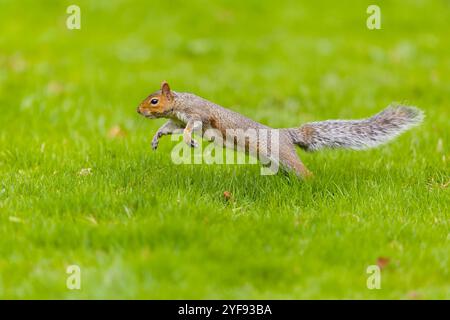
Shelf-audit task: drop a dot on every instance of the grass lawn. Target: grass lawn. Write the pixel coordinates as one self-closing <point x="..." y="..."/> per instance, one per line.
<point x="80" y="185"/>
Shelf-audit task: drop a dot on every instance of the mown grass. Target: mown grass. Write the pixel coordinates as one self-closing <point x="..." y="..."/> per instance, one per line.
<point x="141" y="227"/>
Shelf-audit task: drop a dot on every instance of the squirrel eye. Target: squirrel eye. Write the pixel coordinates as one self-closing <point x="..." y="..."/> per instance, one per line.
<point x="154" y="101"/>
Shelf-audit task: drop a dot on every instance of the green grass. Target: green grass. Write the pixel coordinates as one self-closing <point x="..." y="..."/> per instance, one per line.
<point x="141" y="227"/>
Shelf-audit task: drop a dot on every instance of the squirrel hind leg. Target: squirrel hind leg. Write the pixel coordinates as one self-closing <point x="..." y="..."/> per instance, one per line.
<point x="288" y="157"/>
<point x="291" y="162"/>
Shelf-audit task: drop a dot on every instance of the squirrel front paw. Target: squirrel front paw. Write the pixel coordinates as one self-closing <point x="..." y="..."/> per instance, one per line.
<point x="194" y="144"/>
<point x="155" y="143"/>
<point x="189" y="141"/>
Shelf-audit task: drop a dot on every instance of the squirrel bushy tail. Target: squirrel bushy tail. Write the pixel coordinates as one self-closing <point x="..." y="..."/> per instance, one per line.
<point x="357" y="134"/>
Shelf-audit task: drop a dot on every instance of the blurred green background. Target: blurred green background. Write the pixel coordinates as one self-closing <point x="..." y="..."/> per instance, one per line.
<point x="141" y="227"/>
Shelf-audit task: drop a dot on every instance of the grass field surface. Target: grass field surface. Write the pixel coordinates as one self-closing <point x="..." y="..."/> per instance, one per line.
<point x="80" y="185"/>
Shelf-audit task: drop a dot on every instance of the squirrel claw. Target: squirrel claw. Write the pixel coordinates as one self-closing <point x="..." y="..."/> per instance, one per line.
<point x="194" y="144"/>
<point x="154" y="144"/>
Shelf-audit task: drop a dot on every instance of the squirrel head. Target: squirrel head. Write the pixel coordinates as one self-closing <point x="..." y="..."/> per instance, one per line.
<point x="158" y="104"/>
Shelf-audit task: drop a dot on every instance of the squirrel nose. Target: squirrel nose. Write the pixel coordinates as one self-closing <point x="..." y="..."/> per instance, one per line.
<point x="138" y="111"/>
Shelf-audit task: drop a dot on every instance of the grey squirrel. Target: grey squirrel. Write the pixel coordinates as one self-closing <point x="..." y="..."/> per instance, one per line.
<point x="190" y="113"/>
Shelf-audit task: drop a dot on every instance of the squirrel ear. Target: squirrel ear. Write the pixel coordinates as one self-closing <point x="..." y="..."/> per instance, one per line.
<point x="165" y="90"/>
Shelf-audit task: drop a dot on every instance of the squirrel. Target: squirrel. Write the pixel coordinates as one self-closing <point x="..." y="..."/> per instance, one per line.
<point x="193" y="114"/>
